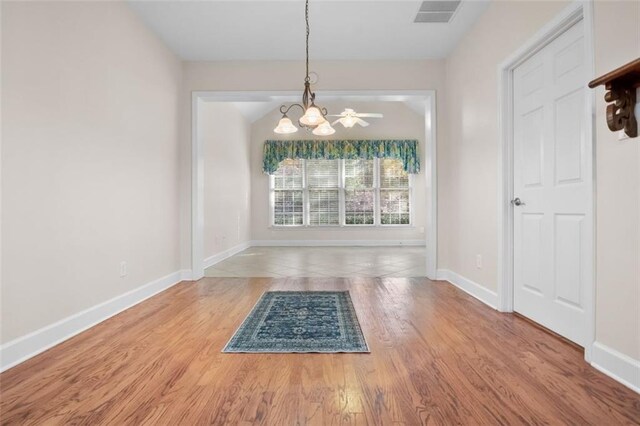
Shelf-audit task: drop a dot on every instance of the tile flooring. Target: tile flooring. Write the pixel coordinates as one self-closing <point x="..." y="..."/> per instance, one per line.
<point x="323" y="262"/>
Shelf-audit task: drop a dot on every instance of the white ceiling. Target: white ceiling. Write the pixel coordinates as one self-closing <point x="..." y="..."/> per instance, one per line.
<point x="274" y="30"/>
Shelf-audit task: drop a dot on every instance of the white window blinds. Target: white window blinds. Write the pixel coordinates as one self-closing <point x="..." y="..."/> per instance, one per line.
<point x="323" y="183"/>
<point x="341" y="193"/>
<point x="394" y="193"/>
<point x="359" y="192"/>
<point x="288" y="193"/>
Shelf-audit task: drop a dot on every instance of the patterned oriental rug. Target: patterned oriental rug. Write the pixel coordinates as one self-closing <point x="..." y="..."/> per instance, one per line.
<point x="298" y="322"/>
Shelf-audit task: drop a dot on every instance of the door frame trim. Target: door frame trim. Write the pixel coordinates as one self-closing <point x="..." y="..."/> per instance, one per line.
<point x="426" y="97"/>
<point x="575" y="12"/>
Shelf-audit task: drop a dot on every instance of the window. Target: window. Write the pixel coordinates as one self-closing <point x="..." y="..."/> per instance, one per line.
<point x="345" y="193"/>
<point x="359" y="192"/>
<point x="323" y="183"/>
<point x="394" y="193"/>
<point x="287" y="195"/>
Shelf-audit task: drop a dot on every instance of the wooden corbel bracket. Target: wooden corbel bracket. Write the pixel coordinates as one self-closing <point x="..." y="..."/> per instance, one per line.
<point x="621" y="85"/>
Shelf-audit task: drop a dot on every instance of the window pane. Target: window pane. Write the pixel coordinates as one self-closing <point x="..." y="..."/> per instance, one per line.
<point x="324" y="194"/>
<point x="322" y="173"/>
<point x="358" y="174"/>
<point x="287" y="208"/>
<point x="288" y="175"/>
<point x="394" y="207"/>
<point x="359" y="197"/>
<point x="324" y="207"/>
<point x="392" y="174"/>
<point x="359" y="207"/>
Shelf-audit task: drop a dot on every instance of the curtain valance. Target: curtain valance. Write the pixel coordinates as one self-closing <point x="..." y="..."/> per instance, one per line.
<point x="277" y="151"/>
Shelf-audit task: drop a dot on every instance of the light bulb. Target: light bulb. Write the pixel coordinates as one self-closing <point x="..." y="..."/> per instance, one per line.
<point x="285" y="126"/>
<point x="324" y="129"/>
<point x="312" y="116"/>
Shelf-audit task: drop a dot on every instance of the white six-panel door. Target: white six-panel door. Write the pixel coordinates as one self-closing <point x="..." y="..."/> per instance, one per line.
<point x="553" y="182"/>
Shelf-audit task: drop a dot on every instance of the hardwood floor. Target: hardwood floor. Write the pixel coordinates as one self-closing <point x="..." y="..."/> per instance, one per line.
<point x="438" y="356"/>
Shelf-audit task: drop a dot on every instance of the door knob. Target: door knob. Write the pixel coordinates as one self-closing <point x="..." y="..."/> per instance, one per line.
<point x="517" y="202"/>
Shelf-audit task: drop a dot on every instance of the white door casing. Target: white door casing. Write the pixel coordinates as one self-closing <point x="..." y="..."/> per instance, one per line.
<point x="552" y="235"/>
<point x="425" y="97"/>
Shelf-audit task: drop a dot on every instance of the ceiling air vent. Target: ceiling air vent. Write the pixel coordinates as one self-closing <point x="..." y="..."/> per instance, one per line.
<point x="437" y="11"/>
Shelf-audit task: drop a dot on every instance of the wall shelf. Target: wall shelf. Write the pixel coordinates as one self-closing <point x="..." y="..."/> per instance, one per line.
<point x="621" y="85"/>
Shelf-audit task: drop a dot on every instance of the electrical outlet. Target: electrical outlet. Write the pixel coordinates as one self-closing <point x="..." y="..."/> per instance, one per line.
<point x="123" y="269"/>
<point x="478" y="261"/>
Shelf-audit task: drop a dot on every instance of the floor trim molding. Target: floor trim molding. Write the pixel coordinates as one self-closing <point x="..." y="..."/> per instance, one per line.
<point x="21" y="349"/>
<point x="616" y="365"/>
<point x="212" y="260"/>
<point x="336" y="243"/>
<point x="476" y="290"/>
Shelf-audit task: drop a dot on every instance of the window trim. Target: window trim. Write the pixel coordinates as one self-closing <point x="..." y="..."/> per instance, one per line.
<point x="342" y="202"/>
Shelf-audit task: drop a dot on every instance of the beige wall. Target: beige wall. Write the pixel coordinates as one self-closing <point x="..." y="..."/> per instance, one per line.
<point x="618" y="190"/>
<point x="1" y="235"/>
<point x="333" y="75"/>
<point x="89" y="164"/>
<point x="225" y="142"/>
<point x="468" y="161"/>
<point x="399" y="122"/>
<point x="286" y="76"/>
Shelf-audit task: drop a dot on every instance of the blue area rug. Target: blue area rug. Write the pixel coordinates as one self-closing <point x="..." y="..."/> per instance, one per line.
<point x="300" y="321"/>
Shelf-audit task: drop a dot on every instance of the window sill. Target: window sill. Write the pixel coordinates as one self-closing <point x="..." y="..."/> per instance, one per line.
<point x="336" y="227"/>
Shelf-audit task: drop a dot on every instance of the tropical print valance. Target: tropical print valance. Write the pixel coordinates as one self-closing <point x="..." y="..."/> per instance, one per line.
<point x="277" y="151"/>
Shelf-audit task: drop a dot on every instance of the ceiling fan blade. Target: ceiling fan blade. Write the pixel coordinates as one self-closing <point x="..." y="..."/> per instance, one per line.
<point x="361" y="122"/>
<point x="336" y="122"/>
<point x="335" y="115"/>
<point x="369" y="114"/>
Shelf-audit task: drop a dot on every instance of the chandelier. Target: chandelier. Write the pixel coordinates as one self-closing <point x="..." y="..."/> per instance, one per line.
<point x="313" y="117"/>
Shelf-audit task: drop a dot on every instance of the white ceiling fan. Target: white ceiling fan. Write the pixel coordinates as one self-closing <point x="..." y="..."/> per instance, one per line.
<point x="349" y="118"/>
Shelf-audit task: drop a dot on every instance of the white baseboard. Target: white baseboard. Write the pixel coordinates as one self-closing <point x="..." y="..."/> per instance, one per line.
<point x="21" y="349"/>
<point x="212" y="260"/>
<point x="476" y="290"/>
<point x="616" y="365"/>
<point x="336" y="243"/>
<point x="186" y="275"/>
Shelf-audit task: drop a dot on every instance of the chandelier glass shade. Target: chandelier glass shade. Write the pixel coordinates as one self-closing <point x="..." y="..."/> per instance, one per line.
<point x="285" y="126"/>
<point x="313" y="117"/>
<point x="324" y="129"/>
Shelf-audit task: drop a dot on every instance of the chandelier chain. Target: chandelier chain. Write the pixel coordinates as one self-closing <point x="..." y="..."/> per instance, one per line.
<point x="306" y="17"/>
<point x="313" y="117"/>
